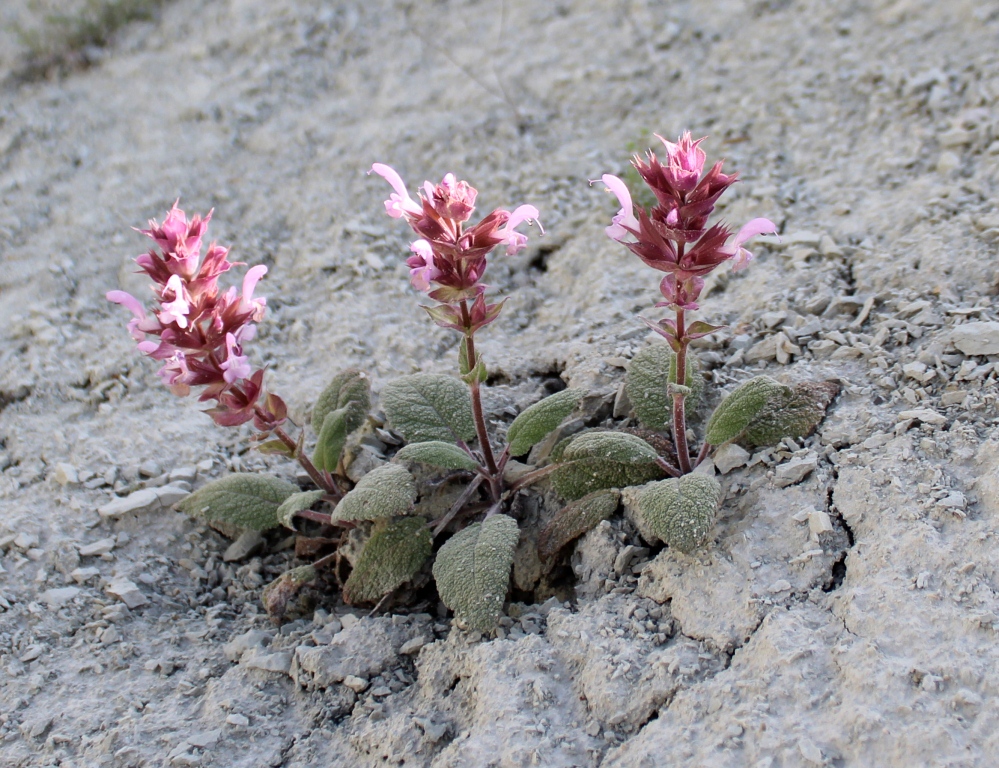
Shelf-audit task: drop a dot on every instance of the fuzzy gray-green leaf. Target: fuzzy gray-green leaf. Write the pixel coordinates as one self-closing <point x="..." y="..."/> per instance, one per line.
<point x="244" y="500"/>
<point x="738" y="409"/>
<point x="596" y="460"/>
<point x="575" y="519"/>
<point x="429" y="406"/>
<point x="472" y="570"/>
<point x="349" y="389"/>
<point x="648" y="374"/>
<point x="795" y="415"/>
<point x="332" y="438"/>
<point x="437" y="453"/>
<point x="386" y="491"/>
<point x="296" y="503"/>
<point x="537" y="421"/>
<point x="681" y="511"/>
<point x="394" y="554"/>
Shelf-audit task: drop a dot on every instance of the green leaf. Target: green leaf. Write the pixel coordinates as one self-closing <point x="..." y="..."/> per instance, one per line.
<point x="596" y="460"/>
<point x="471" y="374"/>
<point x="394" y="554"/>
<point x="795" y="415"/>
<point x="472" y="570"/>
<point x="332" y="438"/>
<point x="244" y="500"/>
<point x="739" y="408"/>
<point x="649" y="372"/>
<point x="276" y="595"/>
<point x="575" y="519"/>
<point x="437" y="454"/>
<point x="296" y="503"/>
<point x="349" y="389"/>
<point x="275" y="447"/>
<point x="681" y="511"/>
<point x="429" y="406"/>
<point x="386" y="491"/>
<point x="540" y="419"/>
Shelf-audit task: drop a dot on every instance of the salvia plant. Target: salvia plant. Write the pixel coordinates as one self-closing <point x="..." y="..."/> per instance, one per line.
<point x="390" y="522"/>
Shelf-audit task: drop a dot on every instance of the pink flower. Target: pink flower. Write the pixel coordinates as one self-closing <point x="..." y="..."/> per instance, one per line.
<point x="740" y="256"/>
<point x="139" y="325"/>
<point x="515" y="241"/>
<point x="624" y="222"/>
<point x="399" y="203"/>
<point x="180" y="239"/>
<point x="452" y="199"/>
<point x="686" y="161"/>
<point x="680" y="294"/>
<point x="422" y="270"/>
<point x="175" y="374"/>
<point x="177" y="310"/>
<point x="236" y="366"/>
<point x="247" y="303"/>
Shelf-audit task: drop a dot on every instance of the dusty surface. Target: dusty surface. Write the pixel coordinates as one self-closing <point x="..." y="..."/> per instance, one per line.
<point x="846" y="612"/>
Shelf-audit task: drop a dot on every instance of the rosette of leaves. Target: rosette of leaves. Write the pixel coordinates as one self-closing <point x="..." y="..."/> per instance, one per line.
<point x="681" y="511"/>
<point x="762" y="411"/>
<point x="594" y="461"/>
<point x="472" y="570"/>
<point x="649" y="373"/>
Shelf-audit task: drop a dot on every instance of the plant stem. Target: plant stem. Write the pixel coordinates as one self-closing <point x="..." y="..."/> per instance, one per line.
<point x="679" y="416"/>
<point x="456" y="507"/>
<point x="317" y="477"/>
<point x="668" y="468"/>
<point x="530" y="477"/>
<point x="703" y="454"/>
<point x="495" y="480"/>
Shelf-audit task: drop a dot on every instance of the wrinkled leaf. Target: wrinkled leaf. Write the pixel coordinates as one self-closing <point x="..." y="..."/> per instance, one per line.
<point x="244" y="500"/>
<point x="596" y="460"/>
<point x="741" y="406"/>
<point x="294" y="504"/>
<point x="575" y="519"/>
<point x="471" y="374"/>
<point x="429" y="406"/>
<point x="394" y="554"/>
<point x="349" y="389"/>
<point x="795" y="415"/>
<point x="681" y="511"/>
<point x="332" y="438"/>
<point x="537" y="422"/>
<point x="386" y="491"/>
<point x="275" y="447"/>
<point x="649" y="372"/>
<point x="279" y="592"/>
<point x="472" y="571"/>
<point x="437" y="454"/>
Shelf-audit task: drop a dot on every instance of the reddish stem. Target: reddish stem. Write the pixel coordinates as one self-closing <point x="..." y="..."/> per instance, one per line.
<point x="679" y="416"/>
<point x="323" y="480"/>
<point x="480" y="421"/>
<point x="703" y="454"/>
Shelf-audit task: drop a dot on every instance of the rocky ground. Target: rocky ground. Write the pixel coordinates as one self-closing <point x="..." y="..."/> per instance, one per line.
<point x="846" y="612"/>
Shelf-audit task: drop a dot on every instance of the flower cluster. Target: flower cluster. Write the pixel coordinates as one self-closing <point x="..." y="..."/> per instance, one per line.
<point x="197" y="331"/>
<point x="449" y="257"/>
<point x="673" y="236"/>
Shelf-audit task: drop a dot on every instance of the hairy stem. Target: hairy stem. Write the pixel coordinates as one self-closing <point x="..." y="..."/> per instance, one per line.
<point x="495" y="480"/>
<point x="679" y="416"/>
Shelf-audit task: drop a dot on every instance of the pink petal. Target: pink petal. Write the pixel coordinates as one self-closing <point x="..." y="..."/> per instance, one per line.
<point x="625" y="218"/>
<point x="128" y="301"/>
<point x="400" y="203"/>
<point x="752" y="229"/>
<point x="422" y="249"/>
